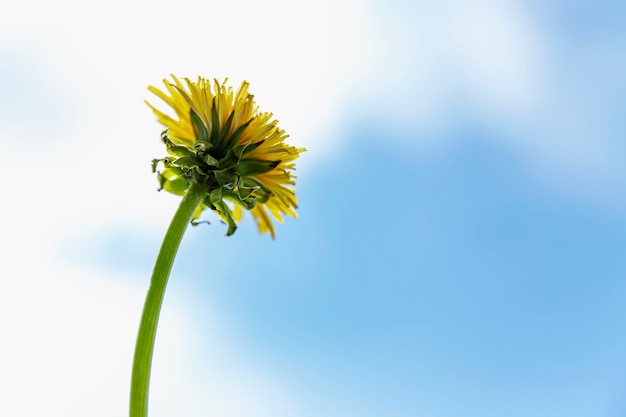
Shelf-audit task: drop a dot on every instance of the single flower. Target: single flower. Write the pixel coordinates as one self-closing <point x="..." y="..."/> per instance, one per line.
<point x="219" y="139"/>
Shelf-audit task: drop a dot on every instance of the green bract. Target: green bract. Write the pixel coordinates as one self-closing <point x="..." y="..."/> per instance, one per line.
<point x="219" y="165"/>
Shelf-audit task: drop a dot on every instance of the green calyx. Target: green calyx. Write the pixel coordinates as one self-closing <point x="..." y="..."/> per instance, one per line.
<point x="218" y="164"/>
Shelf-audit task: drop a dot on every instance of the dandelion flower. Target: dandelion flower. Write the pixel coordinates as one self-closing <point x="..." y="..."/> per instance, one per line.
<point x="219" y="138"/>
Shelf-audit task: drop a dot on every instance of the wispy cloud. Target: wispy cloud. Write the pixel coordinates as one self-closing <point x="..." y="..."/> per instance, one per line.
<point x="551" y="96"/>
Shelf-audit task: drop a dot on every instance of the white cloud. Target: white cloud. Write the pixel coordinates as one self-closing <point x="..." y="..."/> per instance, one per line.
<point x="296" y="56"/>
<point x="68" y="341"/>
<point x="433" y="58"/>
<point x="442" y="66"/>
<point x="497" y="55"/>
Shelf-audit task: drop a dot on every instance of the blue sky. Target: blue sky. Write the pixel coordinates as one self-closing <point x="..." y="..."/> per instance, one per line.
<point x="459" y="250"/>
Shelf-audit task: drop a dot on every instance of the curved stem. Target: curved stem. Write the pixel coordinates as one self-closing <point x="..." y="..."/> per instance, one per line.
<point x="150" y="317"/>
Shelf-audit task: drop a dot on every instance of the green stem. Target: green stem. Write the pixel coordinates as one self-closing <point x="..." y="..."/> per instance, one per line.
<point x="154" y="299"/>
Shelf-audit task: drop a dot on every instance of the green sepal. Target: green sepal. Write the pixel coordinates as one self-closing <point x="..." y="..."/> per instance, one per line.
<point x="196" y="215"/>
<point x="255" y="166"/>
<point x="244" y="192"/>
<point x="224" y="130"/>
<point x="224" y="212"/>
<point x="167" y="163"/>
<point x="215" y="125"/>
<point x="197" y="223"/>
<point x="246" y="148"/>
<point x="250" y="182"/>
<point x="199" y="128"/>
<point x="188" y="162"/>
<point x="248" y="203"/>
<point x="165" y="137"/>
<point x="155" y="163"/>
<point x="216" y="196"/>
<point x="172" y="180"/>
<point x="198" y="212"/>
<point x="229" y="161"/>
<point x="234" y="155"/>
<point x="226" y="178"/>
<point x="202" y="146"/>
<point x="211" y="161"/>
<point x="232" y="139"/>
<point x="262" y="195"/>
<point x="180" y="150"/>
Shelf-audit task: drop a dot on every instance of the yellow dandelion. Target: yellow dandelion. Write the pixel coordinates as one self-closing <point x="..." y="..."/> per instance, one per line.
<point x="218" y="138"/>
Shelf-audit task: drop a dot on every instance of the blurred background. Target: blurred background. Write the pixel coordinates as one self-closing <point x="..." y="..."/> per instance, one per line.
<point x="462" y="232"/>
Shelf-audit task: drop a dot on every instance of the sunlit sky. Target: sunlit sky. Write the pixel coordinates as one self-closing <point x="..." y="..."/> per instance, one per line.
<point x="460" y="245"/>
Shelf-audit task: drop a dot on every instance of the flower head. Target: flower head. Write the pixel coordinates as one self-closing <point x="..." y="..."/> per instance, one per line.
<point x="218" y="138"/>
